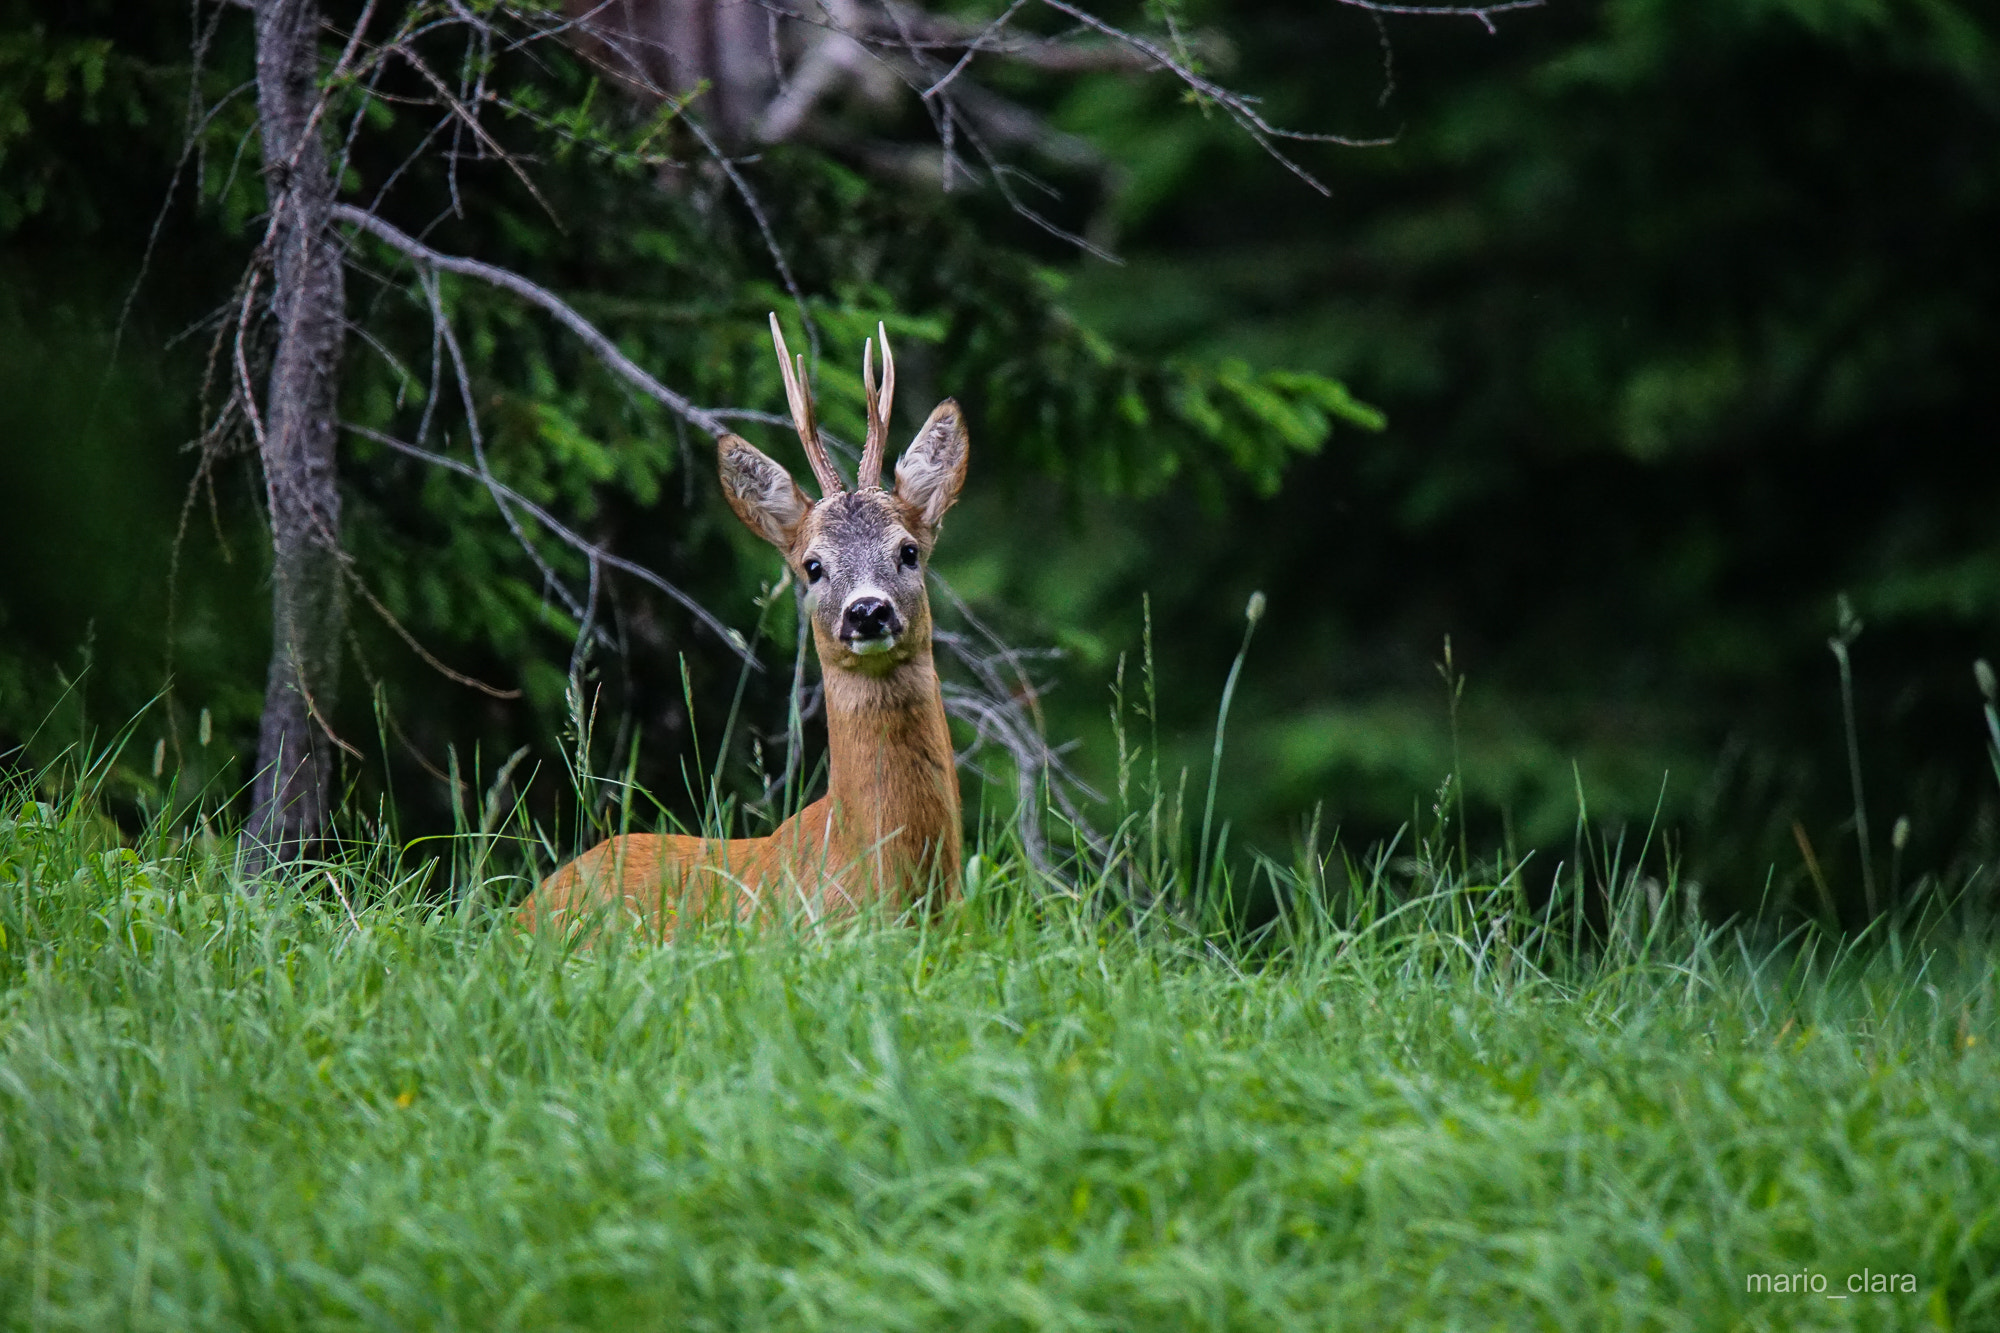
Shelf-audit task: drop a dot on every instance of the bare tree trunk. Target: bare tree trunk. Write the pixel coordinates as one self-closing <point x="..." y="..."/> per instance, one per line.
<point x="659" y="47"/>
<point x="290" y="797"/>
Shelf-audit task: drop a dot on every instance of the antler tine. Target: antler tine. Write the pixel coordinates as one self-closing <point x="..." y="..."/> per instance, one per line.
<point x="878" y="408"/>
<point x="802" y="414"/>
<point x="871" y="452"/>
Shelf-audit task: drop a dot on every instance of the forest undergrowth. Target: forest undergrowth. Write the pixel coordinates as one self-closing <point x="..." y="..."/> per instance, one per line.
<point x="1422" y="1095"/>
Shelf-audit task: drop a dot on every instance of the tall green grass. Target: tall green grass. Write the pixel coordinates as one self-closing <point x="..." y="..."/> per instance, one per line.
<point x="1420" y="1098"/>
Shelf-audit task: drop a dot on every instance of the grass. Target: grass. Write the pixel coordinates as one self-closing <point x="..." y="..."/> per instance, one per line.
<point x="343" y="1103"/>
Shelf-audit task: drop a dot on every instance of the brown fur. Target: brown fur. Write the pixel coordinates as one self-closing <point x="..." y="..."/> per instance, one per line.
<point x="888" y="828"/>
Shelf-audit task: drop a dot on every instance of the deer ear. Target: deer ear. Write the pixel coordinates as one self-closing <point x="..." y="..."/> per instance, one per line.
<point x="932" y="469"/>
<point x="762" y="493"/>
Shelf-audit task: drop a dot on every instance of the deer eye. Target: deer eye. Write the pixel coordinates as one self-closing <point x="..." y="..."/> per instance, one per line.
<point x="910" y="555"/>
<point x="815" y="571"/>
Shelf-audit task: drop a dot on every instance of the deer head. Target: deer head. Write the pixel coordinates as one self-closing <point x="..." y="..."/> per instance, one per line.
<point x="860" y="553"/>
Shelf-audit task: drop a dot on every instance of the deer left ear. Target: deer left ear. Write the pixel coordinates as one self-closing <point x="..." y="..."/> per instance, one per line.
<point x="763" y="494"/>
<point x="932" y="469"/>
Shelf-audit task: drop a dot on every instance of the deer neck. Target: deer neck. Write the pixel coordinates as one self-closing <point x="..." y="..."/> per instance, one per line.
<point x="893" y="782"/>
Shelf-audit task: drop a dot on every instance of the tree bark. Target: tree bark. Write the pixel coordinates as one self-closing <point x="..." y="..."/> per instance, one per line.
<point x="675" y="46"/>
<point x="290" y="796"/>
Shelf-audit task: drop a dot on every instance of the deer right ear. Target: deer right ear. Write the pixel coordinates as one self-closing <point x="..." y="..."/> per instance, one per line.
<point x="762" y="493"/>
<point x="932" y="469"/>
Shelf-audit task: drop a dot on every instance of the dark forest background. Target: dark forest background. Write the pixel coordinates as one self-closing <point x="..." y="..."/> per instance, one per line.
<point x="1679" y="319"/>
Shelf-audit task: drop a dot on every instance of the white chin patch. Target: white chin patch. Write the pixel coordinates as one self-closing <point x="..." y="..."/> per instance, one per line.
<point x="870" y="647"/>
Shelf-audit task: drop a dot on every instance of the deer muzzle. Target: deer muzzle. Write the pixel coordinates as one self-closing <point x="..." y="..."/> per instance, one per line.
<point x="870" y="624"/>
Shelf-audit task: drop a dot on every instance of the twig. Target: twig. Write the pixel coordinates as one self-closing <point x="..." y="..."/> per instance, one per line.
<point x="1236" y="104"/>
<point x="441" y="326"/>
<point x="1483" y="13"/>
<point x="568" y="536"/>
<point x="429" y="659"/>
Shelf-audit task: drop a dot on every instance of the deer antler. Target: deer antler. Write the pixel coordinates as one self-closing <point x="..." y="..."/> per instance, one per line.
<point x="802" y="415"/>
<point x="878" y="409"/>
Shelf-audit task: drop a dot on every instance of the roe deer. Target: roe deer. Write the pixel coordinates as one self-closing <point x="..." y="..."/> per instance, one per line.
<point x="888" y="827"/>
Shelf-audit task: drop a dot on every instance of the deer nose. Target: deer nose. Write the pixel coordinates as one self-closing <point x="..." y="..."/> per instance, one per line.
<point x="870" y="618"/>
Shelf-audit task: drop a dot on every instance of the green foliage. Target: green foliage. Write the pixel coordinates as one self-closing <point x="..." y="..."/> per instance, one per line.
<point x="38" y="74"/>
<point x="1676" y="311"/>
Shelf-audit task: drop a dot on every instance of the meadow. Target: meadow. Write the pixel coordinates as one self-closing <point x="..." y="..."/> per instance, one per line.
<point x="357" y="1098"/>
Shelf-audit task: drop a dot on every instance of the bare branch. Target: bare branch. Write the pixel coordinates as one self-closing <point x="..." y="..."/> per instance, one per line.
<point x="472" y="122"/>
<point x="508" y="280"/>
<point x="441" y="329"/>
<point x="1238" y="106"/>
<point x="1004" y="708"/>
<point x="428" y="658"/>
<point x="978" y="43"/>
<point x="245" y="390"/>
<point x="567" y="535"/>
<point x="771" y="246"/>
<point x="1483" y="13"/>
